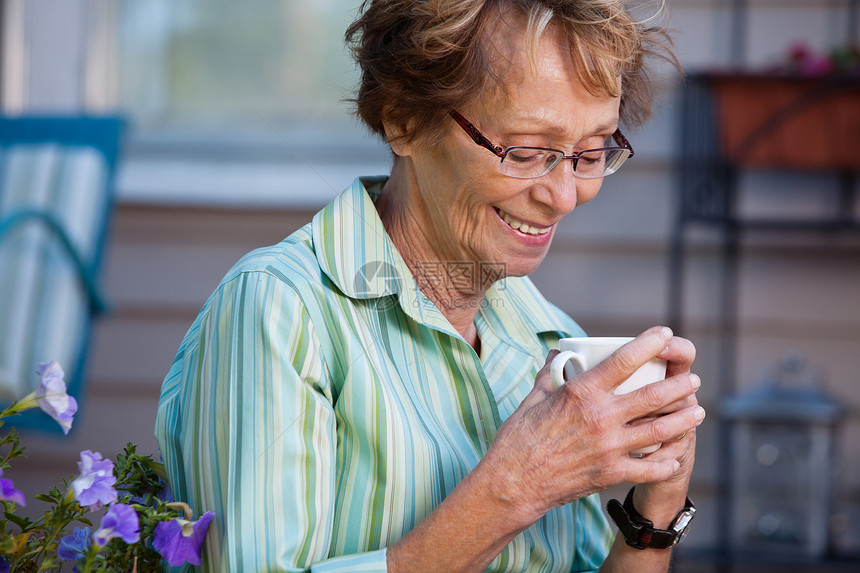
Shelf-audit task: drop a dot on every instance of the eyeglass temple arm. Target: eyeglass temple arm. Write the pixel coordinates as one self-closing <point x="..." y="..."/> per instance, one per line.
<point x="498" y="151"/>
<point x="622" y="141"/>
<point x="476" y="135"/>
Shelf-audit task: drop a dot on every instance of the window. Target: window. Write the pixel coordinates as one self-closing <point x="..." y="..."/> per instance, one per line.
<point x="199" y="62"/>
<point x="239" y="102"/>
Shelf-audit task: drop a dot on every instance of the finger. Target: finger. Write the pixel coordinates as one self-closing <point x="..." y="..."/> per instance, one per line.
<point x="684" y="437"/>
<point x="666" y="451"/>
<point x="658" y="396"/>
<point x="683" y="441"/>
<point x="682" y="450"/>
<point x="622" y="363"/>
<point x="543" y="376"/>
<point x="679" y="354"/>
<point x="649" y="469"/>
<point x="543" y="385"/>
<point x="665" y="428"/>
<point x="685" y="402"/>
<point x="670" y="452"/>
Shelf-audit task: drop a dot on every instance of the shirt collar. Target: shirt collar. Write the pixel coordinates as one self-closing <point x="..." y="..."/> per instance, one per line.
<point x="355" y="252"/>
<point x="352" y="246"/>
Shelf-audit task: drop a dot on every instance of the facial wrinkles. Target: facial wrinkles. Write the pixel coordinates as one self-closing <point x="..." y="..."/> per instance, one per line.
<point x="460" y="221"/>
<point x="481" y="190"/>
<point x="450" y="219"/>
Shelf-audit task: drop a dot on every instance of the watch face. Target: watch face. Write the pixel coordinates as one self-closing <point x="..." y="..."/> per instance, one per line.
<point x="682" y="523"/>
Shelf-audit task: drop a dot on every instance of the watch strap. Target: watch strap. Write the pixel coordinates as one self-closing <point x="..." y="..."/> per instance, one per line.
<point x="638" y="531"/>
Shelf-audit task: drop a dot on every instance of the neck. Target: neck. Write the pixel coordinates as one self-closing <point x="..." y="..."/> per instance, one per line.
<point x="454" y="286"/>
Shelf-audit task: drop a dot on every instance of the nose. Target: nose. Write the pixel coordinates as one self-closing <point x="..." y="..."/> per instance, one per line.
<point x="559" y="189"/>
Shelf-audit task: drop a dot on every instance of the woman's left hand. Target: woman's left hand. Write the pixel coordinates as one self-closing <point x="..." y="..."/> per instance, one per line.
<point x="661" y="501"/>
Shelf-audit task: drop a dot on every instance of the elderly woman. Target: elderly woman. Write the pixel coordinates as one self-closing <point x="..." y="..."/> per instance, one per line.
<point x="372" y="394"/>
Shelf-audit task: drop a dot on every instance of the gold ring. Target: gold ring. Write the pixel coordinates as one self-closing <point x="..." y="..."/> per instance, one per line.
<point x="682" y="436"/>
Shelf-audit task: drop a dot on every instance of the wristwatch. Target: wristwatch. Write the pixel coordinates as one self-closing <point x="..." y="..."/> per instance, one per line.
<point x="640" y="532"/>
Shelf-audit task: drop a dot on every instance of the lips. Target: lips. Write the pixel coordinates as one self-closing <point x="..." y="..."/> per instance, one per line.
<point x="522" y="227"/>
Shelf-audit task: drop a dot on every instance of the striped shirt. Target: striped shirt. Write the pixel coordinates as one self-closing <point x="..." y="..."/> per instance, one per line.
<point x="322" y="406"/>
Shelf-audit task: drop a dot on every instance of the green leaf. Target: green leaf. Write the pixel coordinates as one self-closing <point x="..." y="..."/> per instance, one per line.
<point x="21" y="522"/>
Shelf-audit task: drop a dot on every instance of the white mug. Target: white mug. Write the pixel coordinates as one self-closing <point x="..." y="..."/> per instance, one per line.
<point x="580" y="354"/>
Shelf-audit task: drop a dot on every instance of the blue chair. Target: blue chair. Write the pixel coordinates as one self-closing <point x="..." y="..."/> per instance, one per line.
<point x="56" y="199"/>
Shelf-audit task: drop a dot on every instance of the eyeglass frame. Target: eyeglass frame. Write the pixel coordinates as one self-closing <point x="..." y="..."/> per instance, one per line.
<point x="502" y="152"/>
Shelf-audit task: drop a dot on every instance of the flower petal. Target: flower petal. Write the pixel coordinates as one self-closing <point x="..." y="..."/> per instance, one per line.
<point x="50" y="369"/>
<point x="120" y="521"/>
<point x="9" y="493"/>
<point x="52" y="398"/>
<point x="75" y="546"/>
<point x="171" y="541"/>
<point x="94" y="487"/>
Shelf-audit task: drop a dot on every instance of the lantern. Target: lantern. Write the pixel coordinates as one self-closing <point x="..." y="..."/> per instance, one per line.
<point x="782" y="444"/>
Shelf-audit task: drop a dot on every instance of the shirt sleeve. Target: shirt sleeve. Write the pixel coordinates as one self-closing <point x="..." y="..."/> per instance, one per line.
<point x="247" y="430"/>
<point x="594" y="536"/>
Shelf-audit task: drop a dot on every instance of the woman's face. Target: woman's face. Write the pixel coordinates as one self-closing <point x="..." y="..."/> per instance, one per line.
<point x="467" y="210"/>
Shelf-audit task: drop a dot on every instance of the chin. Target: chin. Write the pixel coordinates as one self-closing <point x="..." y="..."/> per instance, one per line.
<point x="519" y="268"/>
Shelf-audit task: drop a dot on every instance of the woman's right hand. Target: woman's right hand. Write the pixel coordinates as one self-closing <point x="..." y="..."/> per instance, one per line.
<point x="562" y="445"/>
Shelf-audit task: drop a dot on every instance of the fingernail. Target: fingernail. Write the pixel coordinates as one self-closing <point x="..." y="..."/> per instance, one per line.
<point x="700" y="414"/>
<point x="695" y="381"/>
<point x="667" y="332"/>
<point x="677" y="465"/>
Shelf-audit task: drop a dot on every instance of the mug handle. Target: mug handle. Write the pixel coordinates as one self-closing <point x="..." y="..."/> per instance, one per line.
<point x="556" y="367"/>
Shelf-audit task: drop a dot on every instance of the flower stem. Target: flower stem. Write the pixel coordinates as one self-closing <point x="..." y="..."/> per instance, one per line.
<point x="181" y="506"/>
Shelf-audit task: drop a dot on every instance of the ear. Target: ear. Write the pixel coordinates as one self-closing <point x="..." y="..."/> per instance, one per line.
<point x="395" y="133"/>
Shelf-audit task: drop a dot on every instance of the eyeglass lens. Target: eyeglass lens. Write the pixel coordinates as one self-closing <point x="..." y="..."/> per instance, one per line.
<point x="527" y="163"/>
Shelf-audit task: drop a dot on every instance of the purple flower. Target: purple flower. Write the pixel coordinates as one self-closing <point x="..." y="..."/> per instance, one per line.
<point x="119" y="521"/>
<point x="94" y="487"/>
<point x="51" y="395"/>
<point x="180" y="541"/>
<point x="9" y="493"/>
<point x="75" y="546"/>
<point x="5" y="567"/>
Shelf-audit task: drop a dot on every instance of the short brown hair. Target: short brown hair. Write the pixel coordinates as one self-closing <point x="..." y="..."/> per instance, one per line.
<point x="421" y="58"/>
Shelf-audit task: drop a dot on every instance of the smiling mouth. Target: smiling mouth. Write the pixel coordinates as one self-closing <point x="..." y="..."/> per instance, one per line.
<point x="522" y="227"/>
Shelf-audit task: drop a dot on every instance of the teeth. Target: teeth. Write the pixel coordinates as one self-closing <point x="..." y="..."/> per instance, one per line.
<point x="522" y="227"/>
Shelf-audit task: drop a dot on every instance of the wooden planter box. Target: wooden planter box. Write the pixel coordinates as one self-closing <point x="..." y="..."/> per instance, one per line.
<point x="788" y="122"/>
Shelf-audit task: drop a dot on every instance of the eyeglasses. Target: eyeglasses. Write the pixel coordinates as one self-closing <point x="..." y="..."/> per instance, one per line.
<point x="531" y="162"/>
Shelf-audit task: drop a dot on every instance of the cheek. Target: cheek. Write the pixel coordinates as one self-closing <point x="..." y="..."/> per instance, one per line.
<point x="587" y="189"/>
<point x="474" y="190"/>
<point x="469" y="215"/>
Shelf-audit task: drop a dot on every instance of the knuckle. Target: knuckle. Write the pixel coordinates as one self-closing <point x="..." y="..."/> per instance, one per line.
<point x="544" y="374"/>
<point x="651" y="396"/>
<point x="543" y="386"/>
<point x="609" y="475"/>
<point x="576" y="393"/>
<point x="622" y="361"/>
<point x="659" y="430"/>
